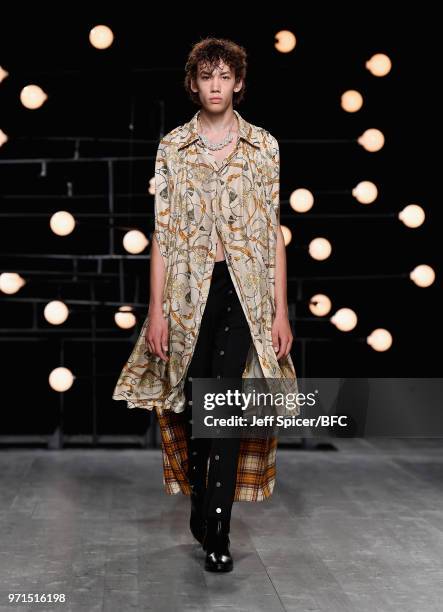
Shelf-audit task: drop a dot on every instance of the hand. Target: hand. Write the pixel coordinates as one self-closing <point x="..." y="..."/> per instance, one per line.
<point x="156" y="335"/>
<point x="281" y="335"/>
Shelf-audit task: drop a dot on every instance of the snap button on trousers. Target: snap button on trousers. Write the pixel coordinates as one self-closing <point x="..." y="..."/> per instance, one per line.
<point x="221" y="350"/>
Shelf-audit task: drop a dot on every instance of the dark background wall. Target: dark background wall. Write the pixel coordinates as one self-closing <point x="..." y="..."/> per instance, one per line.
<point x="122" y="99"/>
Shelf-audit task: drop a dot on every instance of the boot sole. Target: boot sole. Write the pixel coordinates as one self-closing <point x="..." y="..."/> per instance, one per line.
<point x="219" y="567"/>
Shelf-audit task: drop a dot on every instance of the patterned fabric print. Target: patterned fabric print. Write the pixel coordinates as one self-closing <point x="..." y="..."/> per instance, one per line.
<point x="196" y="198"/>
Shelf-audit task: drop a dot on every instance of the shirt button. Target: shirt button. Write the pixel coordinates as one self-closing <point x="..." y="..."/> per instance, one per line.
<point x="218" y="376"/>
<point x="190" y="378"/>
<point x="230" y="291"/>
<point x="226" y="328"/>
<point x="217" y="457"/>
<point x="222" y="352"/>
<point x="218" y="510"/>
<point x="194" y="452"/>
<point x="191" y="421"/>
<point x="228" y="308"/>
<point x="218" y="484"/>
<point x="190" y="402"/>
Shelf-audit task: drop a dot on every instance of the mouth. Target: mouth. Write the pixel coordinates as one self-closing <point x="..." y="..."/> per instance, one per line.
<point x="215" y="99"/>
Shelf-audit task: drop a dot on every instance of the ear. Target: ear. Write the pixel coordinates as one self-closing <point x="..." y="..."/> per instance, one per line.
<point x="193" y="86"/>
<point x="238" y="86"/>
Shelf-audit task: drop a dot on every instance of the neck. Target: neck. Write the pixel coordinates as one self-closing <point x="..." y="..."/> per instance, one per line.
<point x="217" y="122"/>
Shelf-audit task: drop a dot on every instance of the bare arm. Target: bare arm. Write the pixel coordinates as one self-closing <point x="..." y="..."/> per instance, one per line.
<point x="156" y="279"/>
<point x="281" y="299"/>
<point x="156" y="334"/>
<point x="281" y="329"/>
<point x="157" y="328"/>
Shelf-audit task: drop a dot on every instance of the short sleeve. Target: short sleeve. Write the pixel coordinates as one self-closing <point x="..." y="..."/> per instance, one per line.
<point x="162" y="200"/>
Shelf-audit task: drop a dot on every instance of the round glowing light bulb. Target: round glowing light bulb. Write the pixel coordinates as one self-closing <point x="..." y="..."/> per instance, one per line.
<point x="135" y="241"/>
<point x="372" y="140"/>
<point x="285" y="41"/>
<point x="320" y="248"/>
<point x="61" y="379"/>
<point x="319" y="304"/>
<point x="32" y="96"/>
<point x="56" y="312"/>
<point x="287" y="234"/>
<point x="412" y="215"/>
<point x="101" y="37"/>
<point x="351" y="101"/>
<point x="380" y="339"/>
<point x="3" y="74"/>
<point x="301" y="200"/>
<point x="423" y="275"/>
<point x="344" y="319"/>
<point x="365" y="192"/>
<point x="11" y="282"/>
<point x="62" y="223"/>
<point x="379" y="64"/>
<point x="125" y="318"/>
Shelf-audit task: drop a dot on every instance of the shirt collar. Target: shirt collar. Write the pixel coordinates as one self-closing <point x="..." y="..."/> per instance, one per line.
<point x="247" y="131"/>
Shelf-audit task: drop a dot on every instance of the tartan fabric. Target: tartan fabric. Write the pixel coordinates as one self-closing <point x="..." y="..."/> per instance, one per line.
<point x="256" y="471"/>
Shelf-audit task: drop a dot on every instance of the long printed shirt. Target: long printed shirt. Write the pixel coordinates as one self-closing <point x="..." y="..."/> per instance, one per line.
<point x="198" y="201"/>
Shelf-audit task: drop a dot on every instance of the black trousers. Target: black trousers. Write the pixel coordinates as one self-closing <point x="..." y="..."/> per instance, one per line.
<point x="221" y="350"/>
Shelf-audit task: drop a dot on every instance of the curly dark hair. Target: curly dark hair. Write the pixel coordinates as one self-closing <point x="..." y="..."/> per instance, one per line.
<point x="210" y="51"/>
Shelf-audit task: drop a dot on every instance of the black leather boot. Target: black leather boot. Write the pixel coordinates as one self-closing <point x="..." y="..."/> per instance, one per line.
<point x="216" y="544"/>
<point x="197" y="522"/>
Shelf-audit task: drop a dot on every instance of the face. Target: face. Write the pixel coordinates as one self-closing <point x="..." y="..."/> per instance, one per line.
<point x="215" y="90"/>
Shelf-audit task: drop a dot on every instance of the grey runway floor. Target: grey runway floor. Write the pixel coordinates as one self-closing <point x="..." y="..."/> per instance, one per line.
<point x="360" y="529"/>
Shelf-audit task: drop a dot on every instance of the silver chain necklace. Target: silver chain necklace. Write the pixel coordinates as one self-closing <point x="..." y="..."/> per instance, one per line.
<point x="214" y="146"/>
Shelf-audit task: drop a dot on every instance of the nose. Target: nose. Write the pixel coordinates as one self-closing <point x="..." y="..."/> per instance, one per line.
<point x="215" y="85"/>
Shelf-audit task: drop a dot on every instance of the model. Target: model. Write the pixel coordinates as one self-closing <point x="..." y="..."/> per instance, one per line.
<point x="218" y="303"/>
